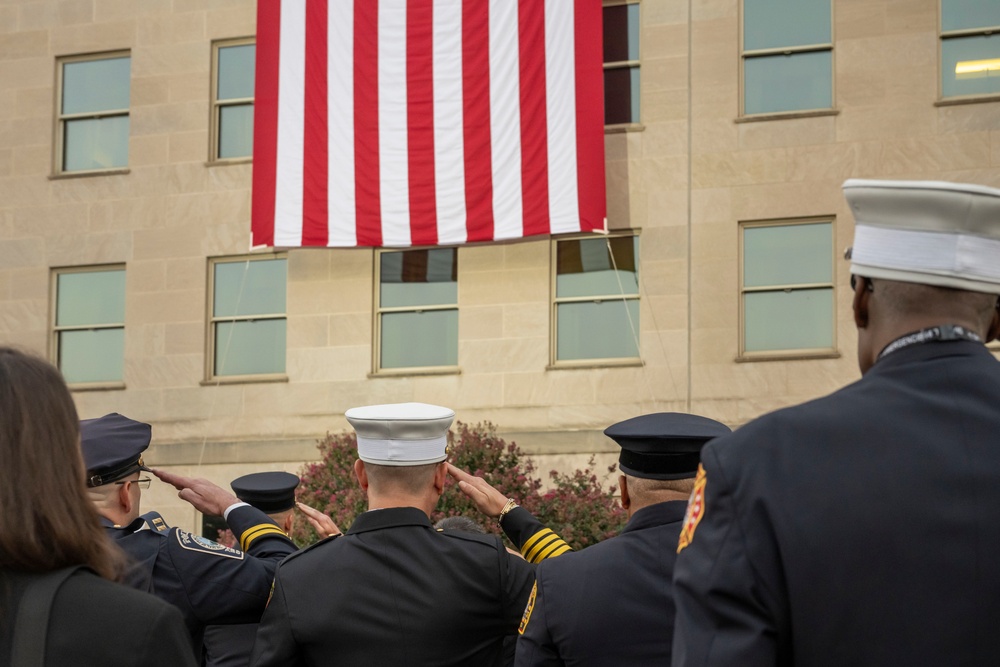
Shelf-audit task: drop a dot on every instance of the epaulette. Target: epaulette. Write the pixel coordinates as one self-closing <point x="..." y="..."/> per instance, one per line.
<point x="155" y="523"/>
<point x="325" y="540"/>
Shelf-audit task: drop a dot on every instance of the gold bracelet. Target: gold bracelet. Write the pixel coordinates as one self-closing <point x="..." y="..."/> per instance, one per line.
<point x="511" y="504"/>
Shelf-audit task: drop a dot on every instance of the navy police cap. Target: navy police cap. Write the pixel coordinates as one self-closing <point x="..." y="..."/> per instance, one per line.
<point x="664" y="445"/>
<point x="270" y="492"/>
<point x="112" y="447"/>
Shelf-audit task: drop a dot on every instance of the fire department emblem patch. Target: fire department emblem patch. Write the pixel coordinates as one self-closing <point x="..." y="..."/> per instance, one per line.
<point x="527" y="610"/>
<point x="695" y="509"/>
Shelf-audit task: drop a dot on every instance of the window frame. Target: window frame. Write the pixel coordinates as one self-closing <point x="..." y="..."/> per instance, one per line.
<point x="793" y="353"/>
<point x="211" y="378"/>
<point x="944" y="35"/>
<point x="55" y="329"/>
<point x="216" y="105"/>
<point x="61" y="119"/>
<point x="378" y="311"/>
<point x="625" y="64"/>
<point x="743" y="116"/>
<point x="554" y="303"/>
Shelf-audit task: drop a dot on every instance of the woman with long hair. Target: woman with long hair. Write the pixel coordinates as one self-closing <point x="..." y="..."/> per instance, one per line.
<point x="48" y="524"/>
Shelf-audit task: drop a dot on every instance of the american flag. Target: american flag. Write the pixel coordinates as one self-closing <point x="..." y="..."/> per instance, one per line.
<point x="400" y="123"/>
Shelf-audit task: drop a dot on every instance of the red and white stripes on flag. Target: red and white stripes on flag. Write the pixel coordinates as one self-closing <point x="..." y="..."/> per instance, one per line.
<point x="427" y="122"/>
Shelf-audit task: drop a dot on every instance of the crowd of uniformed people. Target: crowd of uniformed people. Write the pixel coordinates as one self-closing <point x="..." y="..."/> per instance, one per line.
<point x="861" y="528"/>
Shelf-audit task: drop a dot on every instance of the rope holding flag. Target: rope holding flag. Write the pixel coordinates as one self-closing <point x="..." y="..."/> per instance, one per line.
<point x="398" y="123"/>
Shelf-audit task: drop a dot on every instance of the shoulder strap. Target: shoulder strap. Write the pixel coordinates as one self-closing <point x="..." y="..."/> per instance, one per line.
<point x="32" y="618"/>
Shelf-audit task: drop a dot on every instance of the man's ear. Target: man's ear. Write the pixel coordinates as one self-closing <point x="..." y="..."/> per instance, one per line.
<point x="359" y="470"/>
<point x="440" y="475"/>
<point x="862" y="292"/>
<point x="623" y="485"/>
<point x="124" y="497"/>
<point x="288" y="523"/>
<point x="993" y="333"/>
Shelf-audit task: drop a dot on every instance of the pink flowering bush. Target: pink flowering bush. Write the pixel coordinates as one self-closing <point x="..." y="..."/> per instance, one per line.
<point x="576" y="506"/>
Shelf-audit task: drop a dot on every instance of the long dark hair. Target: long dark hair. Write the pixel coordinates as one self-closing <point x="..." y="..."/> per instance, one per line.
<point x="47" y="521"/>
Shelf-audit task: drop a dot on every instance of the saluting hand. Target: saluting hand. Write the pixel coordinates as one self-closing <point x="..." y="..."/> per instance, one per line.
<point x="207" y="498"/>
<point x="321" y="523"/>
<point x="488" y="500"/>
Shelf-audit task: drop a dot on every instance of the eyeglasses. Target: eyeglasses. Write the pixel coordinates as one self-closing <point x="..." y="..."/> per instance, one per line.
<point x="867" y="283"/>
<point x="142" y="482"/>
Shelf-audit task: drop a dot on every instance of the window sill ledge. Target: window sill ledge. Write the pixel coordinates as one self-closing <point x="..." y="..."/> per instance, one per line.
<point x="96" y="386"/>
<point x="243" y="379"/>
<point x="590" y="365"/>
<point x="787" y="115"/>
<point x="225" y="162"/>
<point x="90" y="172"/>
<point x="623" y="128"/>
<point x="971" y="99"/>
<point x="788" y="356"/>
<point x="411" y="372"/>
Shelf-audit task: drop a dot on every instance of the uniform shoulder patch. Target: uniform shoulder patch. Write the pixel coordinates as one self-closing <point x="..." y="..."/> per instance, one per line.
<point x="206" y="546"/>
<point x="695" y="509"/>
<point x="528" y="609"/>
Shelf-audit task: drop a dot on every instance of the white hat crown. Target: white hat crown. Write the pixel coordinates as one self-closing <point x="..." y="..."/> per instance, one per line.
<point x="401" y="434"/>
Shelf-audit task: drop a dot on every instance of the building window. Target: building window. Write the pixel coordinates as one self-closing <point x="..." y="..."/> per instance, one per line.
<point x="970" y="48"/>
<point x="787" y="287"/>
<point x="93" y="120"/>
<point x="596" y="299"/>
<point x="787" y="56"/>
<point x="247" y="309"/>
<point x="232" y="99"/>
<point x="88" y="341"/>
<point x="417" y="316"/>
<point x="621" y="63"/>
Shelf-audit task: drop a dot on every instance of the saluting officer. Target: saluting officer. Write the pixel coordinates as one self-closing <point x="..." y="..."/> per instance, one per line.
<point x="612" y="603"/>
<point x="393" y="590"/>
<point x="209" y="582"/>
<point x="863" y="528"/>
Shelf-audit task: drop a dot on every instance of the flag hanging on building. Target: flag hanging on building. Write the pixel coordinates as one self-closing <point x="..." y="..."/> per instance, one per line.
<point x="400" y="123"/>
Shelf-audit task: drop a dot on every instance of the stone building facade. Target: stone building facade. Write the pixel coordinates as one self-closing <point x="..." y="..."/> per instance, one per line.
<point x="125" y="208"/>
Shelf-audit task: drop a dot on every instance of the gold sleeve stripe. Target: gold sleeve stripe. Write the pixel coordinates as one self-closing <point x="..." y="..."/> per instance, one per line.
<point x="534" y="538"/>
<point x="550" y="550"/>
<point x="542" y="549"/>
<point x="538" y="546"/>
<point x="252" y="533"/>
<point x="560" y="551"/>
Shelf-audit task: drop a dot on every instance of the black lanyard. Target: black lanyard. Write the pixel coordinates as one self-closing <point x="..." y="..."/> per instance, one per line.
<point x="930" y="335"/>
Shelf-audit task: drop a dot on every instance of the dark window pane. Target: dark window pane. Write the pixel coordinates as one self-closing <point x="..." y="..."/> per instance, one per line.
<point x="794" y="82"/>
<point x="584" y="267"/>
<point x="621" y="33"/>
<point x="619" y="94"/>
<point x="771" y="24"/>
<point x="418" y="278"/>
<point x="968" y="14"/>
<point x="970" y="65"/>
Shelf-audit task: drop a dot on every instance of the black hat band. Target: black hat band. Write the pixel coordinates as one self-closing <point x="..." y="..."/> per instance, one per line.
<point x="659" y="466"/>
<point x="114" y="474"/>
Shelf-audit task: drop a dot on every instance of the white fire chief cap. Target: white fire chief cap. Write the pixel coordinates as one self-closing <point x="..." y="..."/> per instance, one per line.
<point x="401" y="434"/>
<point x="928" y="232"/>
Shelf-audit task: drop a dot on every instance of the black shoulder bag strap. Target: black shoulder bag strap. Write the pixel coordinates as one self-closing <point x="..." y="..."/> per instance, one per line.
<point x="32" y="619"/>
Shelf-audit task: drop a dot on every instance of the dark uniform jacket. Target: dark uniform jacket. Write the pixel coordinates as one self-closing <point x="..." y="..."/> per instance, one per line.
<point x="97" y="622"/>
<point x="610" y="604"/>
<point x="859" y="529"/>
<point x="229" y="645"/>
<point x="394" y="591"/>
<point x="209" y="583"/>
